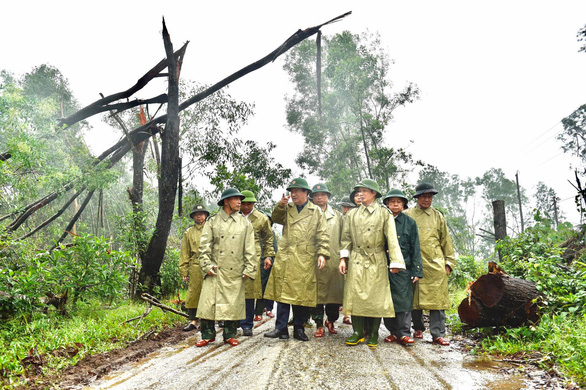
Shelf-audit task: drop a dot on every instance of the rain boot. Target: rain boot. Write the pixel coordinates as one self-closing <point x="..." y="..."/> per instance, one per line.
<point x="358" y="335"/>
<point x="373" y="334"/>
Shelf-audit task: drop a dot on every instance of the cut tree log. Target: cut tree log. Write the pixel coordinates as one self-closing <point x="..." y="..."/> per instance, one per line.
<point x="497" y="299"/>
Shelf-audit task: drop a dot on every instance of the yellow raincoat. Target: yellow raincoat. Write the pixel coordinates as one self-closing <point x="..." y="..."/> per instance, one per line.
<point x="263" y="235"/>
<point x="305" y="237"/>
<point x="330" y="282"/>
<point x="367" y="233"/>
<point x="189" y="264"/>
<point x="227" y="241"/>
<point x="431" y="292"/>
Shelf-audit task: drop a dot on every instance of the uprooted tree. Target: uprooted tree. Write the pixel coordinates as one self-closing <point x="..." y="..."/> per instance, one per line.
<point x="169" y="158"/>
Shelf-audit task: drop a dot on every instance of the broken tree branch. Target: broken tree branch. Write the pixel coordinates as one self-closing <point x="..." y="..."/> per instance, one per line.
<point x="155" y="302"/>
<point x="74" y="219"/>
<point x="55" y="216"/>
<point x="101" y="105"/>
<point x="143" y="132"/>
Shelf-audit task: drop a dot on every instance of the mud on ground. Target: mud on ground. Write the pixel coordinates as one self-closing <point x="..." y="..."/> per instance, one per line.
<point x="94" y="367"/>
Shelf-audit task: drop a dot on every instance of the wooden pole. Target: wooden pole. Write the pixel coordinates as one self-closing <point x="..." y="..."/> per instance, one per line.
<point x="500" y="221"/>
<point x="520" y="205"/>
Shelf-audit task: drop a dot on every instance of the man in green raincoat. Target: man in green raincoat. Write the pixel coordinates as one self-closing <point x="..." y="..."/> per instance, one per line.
<point x="330" y="283"/>
<point x="369" y="230"/>
<point x="402" y="283"/>
<point x="437" y="254"/>
<point x="263" y="240"/>
<point x="346" y="204"/>
<point x="227" y="256"/>
<point x="189" y="263"/>
<point x="305" y="241"/>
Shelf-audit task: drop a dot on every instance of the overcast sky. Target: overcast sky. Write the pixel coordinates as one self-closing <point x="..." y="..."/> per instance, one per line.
<point x="496" y="77"/>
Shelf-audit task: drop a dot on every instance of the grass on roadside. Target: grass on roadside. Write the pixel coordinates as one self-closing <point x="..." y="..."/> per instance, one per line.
<point x="89" y="329"/>
<point x="560" y="341"/>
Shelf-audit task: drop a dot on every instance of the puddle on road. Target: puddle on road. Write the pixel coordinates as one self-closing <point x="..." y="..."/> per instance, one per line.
<point x="507" y="376"/>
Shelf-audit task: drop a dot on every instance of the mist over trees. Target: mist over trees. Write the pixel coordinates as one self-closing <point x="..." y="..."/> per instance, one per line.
<point x="344" y="117"/>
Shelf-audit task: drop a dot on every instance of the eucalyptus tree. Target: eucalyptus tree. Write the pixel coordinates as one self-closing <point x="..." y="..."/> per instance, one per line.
<point x="344" y="118"/>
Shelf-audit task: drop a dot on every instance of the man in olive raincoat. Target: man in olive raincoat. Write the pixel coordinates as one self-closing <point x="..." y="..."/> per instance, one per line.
<point x="227" y="256"/>
<point x="346" y="204"/>
<point x="369" y="230"/>
<point x="330" y="283"/>
<point x="263" y="241"/>
<point x="402" y="283"/>
<point x="437" y="253"/>
<point x="293" y="278"/>
<point x="189" y="263"/>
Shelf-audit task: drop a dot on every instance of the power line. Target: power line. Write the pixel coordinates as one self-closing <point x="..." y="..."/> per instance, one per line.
<point x="542" y="134"/>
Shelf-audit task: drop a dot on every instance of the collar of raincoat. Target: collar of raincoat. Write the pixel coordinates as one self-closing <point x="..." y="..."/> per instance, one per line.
<point x="426" y="211"/>
<point x="370" y="207"/>
<point x="225" y="215"/>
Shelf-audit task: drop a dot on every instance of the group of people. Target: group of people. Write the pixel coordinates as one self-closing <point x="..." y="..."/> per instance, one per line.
<point x="372" y="261"/>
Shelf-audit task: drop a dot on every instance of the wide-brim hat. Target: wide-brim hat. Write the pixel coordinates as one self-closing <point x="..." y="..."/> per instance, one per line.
<point x="228" y="193"/>
<point x="370" y="184"/>
<point x="395" y="193"/>
<point x="199" y="208"/>
<point x="249" y="196"/>
<point x="346" y="202"/>
<point x="299" y="183"/>
<point x="424" y="188"/>
<point x="321" y="187"/>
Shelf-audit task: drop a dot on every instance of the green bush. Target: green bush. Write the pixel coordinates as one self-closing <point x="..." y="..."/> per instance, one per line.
<point x="536" y="255"/>
<point x="88" y="267"/>
<point x="467" y="270"/>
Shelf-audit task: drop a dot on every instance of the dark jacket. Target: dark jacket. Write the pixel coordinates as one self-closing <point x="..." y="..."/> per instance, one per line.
<point x="401" y="283"/>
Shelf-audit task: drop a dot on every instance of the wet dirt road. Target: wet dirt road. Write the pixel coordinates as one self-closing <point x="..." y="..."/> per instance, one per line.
<point x="326" y="363"/>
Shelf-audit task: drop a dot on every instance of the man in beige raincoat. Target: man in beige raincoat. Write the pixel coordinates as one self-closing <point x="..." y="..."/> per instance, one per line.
<point x="330" y="283"/>
<point x="305" y="242"/>
<point x="438" y="259"/>
<point x="263" y="240"/>
<point x="227" y="256"/>
<point x="369" y="230"/>
<point x="189" y="263"/>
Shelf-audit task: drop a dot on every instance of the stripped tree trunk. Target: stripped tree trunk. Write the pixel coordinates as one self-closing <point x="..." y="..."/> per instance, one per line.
<point x="497" y="299"/>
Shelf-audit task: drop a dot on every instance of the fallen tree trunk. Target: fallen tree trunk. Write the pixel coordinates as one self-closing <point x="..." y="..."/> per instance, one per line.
<point x="497" y="299"/>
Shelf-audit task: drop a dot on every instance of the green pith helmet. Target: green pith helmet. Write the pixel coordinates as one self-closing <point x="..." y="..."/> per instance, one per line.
<point x="352" y="195"/>
<point x="370" y="184"/>
<point x="346" y="202"/>
<point x="396" y="194"/>
<point x="321" y="187"/>
<point x="248" y="196"/>
<point x="299" y="183"/>
<point x="228" y="193"/>
<point x="197" y="208"/>
<point x="424" y="188"/>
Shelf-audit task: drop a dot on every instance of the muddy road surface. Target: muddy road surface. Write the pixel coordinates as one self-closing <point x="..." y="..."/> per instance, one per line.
<point x="321" y="363"/>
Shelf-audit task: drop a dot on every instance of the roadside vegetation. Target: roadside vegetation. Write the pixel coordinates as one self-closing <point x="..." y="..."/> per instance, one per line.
<point x="553" y="258"/>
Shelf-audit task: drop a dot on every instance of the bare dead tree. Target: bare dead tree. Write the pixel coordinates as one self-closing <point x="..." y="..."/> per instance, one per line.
<point x="169" y="136"/>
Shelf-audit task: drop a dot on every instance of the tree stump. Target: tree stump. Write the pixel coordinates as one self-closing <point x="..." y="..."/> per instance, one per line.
<point x="497" y="299"/>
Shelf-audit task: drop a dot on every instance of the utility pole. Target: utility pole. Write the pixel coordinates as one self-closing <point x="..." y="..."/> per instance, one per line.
<point x="500" y="221"/>
<point x="520" y="205"/>
<point x="555" y="210"/>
